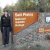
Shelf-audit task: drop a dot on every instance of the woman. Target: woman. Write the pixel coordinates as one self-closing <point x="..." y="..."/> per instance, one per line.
<point x="5" y="27"/>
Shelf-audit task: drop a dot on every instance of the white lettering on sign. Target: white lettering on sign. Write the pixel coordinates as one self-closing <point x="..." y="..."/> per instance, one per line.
<point x="41" y="29"/>
<point x="27" y="14"/>
<point x="20" y="14"/>
<point x="23" y="14"/>
<point x="20" y="18"/>
<point x="19" y="25"/>
<point x="19" y="21"/>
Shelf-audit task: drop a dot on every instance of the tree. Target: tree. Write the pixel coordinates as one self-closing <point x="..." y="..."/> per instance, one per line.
<point x="39" y="5"/>
<point x="25" y="5"/>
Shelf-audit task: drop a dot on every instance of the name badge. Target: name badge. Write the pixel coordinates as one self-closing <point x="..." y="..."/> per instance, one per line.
<point x="3" y="18"/>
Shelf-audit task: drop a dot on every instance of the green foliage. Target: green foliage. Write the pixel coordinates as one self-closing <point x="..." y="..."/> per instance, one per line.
<point x="24" y="5"/>
<point x="48" y="1"/>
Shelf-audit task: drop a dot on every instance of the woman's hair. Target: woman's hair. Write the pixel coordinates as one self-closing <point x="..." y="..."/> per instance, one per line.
<point x="5" y="10"/>
<point x="8" y="16"/>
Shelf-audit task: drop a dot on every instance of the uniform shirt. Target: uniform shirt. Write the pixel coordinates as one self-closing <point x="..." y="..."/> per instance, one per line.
<point x="5" y="21"/>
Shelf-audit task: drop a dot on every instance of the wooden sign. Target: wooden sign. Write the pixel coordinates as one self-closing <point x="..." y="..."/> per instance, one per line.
<point x="23" y="19"/>
<point x="43" y="29"/>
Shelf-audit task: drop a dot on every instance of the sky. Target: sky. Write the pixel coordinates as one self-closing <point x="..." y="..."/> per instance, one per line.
<point x="4" y="2"/>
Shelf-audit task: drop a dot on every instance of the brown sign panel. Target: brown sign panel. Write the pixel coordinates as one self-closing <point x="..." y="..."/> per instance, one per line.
<point x="43" y="29"/>
<point x="23" y="19"/>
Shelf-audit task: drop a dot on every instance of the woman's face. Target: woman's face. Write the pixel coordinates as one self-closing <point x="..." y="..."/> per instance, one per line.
<point x="5" y="13"/>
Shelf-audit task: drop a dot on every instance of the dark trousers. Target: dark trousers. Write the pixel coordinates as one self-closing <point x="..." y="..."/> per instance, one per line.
<point x="5" y="35"/>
